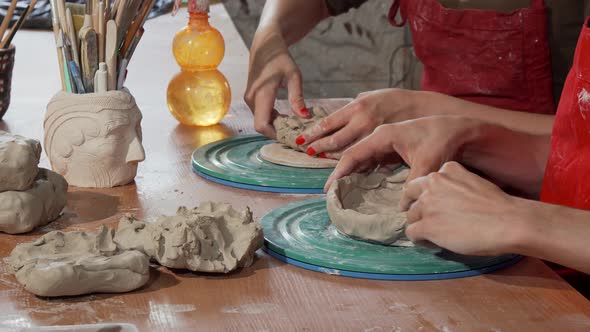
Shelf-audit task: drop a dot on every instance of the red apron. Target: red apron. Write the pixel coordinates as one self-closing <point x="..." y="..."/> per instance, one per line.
<point x="488" y="57"/>
<point x="566" y="175"/>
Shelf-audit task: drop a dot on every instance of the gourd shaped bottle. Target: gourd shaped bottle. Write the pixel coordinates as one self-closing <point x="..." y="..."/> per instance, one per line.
<point x="199" y="95"/>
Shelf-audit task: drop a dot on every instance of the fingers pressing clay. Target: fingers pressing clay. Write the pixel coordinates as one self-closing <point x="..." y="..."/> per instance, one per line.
<point x="337" y="141"/>
<point x="328" y="125"/>
<point x="289" y="128"/>
<point x="366" y="207"/>
<point x="263" y="107"/>
<point x="293" y="151"/>
<point x="211" y="238"/>
<point x="283" y="155"/>
<point x="19" y="157"/>
<point x="295" y="89"/>
<point x="76" y="263"/>
<point x="412" y="192"/>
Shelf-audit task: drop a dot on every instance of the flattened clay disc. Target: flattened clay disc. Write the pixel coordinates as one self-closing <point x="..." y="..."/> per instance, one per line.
<point x="280" y="154"/>
<point x="236" y="162"/>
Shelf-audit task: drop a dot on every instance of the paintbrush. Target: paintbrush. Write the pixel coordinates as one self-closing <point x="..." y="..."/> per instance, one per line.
<point x="111" y="55"/>
<point x="61" y="45"/>
<point x="137" y="23"/>
<point x="88" y="54"/>
<point x="7" y="18"/>
<point x="60" y="60"/>
<point x="19" y="23"/>
<point x="100" y="33"/>
<point x="76" y="79"/>
<point x="125" y="14"/>
<point x="72" y="36"/>
<point x="107" y="9"/>
<point x="114" y="9"/>
<point x="61" y="14"/>
<point x="133" y="44"/>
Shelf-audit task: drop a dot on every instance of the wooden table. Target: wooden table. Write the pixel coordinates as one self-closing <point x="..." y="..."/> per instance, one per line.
<point x="270" y="295"/>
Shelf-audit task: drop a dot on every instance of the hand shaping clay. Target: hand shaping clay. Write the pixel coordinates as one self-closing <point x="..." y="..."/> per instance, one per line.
<point x="283" y="155"/>
<point x="21" y="211"/>
<point x="94" y="140"/>
<point x="367" y="207"/>
<point x="76" y="263"/>
<point x="288" y="128"/>
<point x="19" y="157"/>
<point x="211" y="238"/>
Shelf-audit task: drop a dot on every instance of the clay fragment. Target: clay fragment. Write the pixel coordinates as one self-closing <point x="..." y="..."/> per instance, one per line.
<point x="21" y="211"/>
<point x="289" y="127"/>
<point x="19" y="157"/>
<point x="210" y="238"/>
<point x="76" y="263"/>
<point x="366" y="207"/>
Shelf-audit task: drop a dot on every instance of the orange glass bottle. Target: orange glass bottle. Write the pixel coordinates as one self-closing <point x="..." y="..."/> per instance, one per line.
<point x="199" y="95"/>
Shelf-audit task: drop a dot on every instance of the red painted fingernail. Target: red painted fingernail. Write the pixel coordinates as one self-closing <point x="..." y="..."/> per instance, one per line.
<point x="323" y="155"/>
<point x="305" y="112"/>
<point x="300" y="140"/>
<point x="310" y="151"/>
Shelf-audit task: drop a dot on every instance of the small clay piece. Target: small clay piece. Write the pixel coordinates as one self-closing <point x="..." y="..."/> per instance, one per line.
<point x="283" y="155"/>
<point x="211" y="238"/>
<point x="94" y="139"/>
<point x="19" y="157"/>
<point x="367" y="207"/>
<point x="288" y="128"/>
<point x="21" y="211"/>
<point x="76" y="263"/>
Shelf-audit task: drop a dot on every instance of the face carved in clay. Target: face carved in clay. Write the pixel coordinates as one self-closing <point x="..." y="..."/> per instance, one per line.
<point x="94" y="140"/>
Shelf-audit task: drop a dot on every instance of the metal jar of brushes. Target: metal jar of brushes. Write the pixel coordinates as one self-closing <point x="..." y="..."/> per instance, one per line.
<point x="92" y="127"/>
<point x="7" y="51"/>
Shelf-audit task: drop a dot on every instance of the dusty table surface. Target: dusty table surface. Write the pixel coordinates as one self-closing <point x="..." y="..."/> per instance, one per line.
<point x="270" y="295"/>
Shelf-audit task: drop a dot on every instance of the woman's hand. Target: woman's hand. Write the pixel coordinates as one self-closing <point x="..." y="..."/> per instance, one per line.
<point x="271" y="68"/>
<point x="459" y="211"/>
<point x="425" y="144"/>
<point x="357" y="120"/>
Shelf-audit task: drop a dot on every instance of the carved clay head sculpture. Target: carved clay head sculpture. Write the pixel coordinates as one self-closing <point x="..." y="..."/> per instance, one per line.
<point x="94" y="140"/>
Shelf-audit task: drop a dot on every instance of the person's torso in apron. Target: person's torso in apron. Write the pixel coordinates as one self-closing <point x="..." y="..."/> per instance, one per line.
<point x="490" y="57"/>
<point x="567" y="180"/>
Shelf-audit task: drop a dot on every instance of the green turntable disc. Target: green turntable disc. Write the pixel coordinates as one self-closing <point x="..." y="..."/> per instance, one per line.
<point x="301" y="234"/>
<point x="235" y="162"/>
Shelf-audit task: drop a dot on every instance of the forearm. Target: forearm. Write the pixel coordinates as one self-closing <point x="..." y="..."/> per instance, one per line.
<point x="551" y="232"/>
<point x="510" y="158"/>
<point x="292" y="19"/>
<point x="428" y="103"/>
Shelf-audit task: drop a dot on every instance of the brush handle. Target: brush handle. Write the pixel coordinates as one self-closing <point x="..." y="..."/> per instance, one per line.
<point x="76" y="77"/>
<point x="73" y="37"/>
<point x="88" y="57"/>
<point x="7" y="18"/>
<point x="100" y="33"/>
<point x="111" y="55"/>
